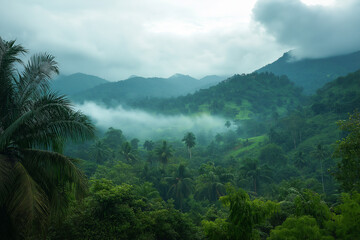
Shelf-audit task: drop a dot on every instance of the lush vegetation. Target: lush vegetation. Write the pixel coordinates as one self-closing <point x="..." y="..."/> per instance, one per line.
<point x="287" y="166"/>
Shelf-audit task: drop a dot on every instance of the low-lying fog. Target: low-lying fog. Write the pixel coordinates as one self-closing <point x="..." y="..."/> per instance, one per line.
<point x="144" y="125"/>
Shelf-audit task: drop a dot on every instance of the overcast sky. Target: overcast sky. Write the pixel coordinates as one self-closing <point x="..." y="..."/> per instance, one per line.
<point x="114" y="39"/>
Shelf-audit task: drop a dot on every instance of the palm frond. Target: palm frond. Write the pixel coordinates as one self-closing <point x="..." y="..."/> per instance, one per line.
<point x="35" y="79"/>
<point x="58" y="169"/>
<point x="6" y="178"/>
<point x="28" y="203"/>
<point x="53" y="118"/>
<point x="9" y="57"/>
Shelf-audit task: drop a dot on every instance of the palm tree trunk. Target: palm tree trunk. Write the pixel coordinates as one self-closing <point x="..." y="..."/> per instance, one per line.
<point x="255" y="186"/>
<point x="322" y="176"/>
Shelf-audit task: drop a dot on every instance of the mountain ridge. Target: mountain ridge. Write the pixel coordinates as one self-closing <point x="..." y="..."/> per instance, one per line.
<point x="312" y="74"/>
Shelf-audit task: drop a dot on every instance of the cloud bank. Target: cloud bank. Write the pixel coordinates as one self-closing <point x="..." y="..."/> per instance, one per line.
<point x="152" y="38"/>
<point x="313" y="31"/>
<point x="143" y="125"/>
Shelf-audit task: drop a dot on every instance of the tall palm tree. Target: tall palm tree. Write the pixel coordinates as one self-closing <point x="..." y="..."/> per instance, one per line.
<point x="320" y="153"/>
<point x="148" y="145"/>
<point x="180" y="186"/>
<point x="99" y="152"/>
<point x="164" y="153"/>
<point x="189" y="140"/>
<point x="128" y="153"/>
<point x="209" y="187"/>
<point x="256" y="173"/>
<point x="35" y="178"/>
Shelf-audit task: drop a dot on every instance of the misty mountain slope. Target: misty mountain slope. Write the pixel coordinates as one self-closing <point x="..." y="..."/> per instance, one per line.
<point x="312" y="74"/>
<point x="238" y="97"/>
<point x="138" y="88"/>
<point x="75" y="83"/>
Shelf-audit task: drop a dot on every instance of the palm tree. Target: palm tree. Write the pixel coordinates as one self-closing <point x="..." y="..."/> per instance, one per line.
<point x="320" y="153"/>
<point x="300" y="161"/>
<point x="128" y="153"/>
<point x="35" y="178"/>
<point x="209" y="185"/>
<point x="189" y="140"/>
<point x="180" y="186"/>
<point x="148" y="145"/>
<point x="256" y="173"/>
<point x="99" y="152"/>
<point x="164" y="153"/>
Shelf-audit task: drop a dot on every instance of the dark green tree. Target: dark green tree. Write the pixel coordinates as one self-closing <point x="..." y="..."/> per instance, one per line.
<point x="189" y="140"/>
<point x="181" y="186"/>
<point x="348" y="172"/>
<point x="255" y="172"/>
<point x="148" y="145"/>
<point x="100" y="152"/>
<point x="128" y="153"/>
<point x="34" y="125"/>
<point x="164" y="153"/>
<point x="134" y="143"/>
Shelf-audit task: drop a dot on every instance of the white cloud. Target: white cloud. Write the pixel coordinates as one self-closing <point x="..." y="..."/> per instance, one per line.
<point x="114" y="39"/>
<point x="313" y="30"/>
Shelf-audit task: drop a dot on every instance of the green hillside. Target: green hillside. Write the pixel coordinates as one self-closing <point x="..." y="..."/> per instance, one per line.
<point x="238" y="97"/>
<point x="312" y="74"/>
<point x="339" y="96"/>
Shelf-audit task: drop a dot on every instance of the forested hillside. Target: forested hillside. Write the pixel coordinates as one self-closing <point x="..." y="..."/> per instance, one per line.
<point x="312" y="74"/>
<point x="135" y="88"/>
<point x="239" y="97"/>
<point x="284" y="166"/>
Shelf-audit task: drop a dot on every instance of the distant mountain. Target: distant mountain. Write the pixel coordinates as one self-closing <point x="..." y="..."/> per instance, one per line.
<point x="312" y="74"/>
<point x="238" y="97"/>
<point x="75" y="83"/>
<point x="136" y="88"/>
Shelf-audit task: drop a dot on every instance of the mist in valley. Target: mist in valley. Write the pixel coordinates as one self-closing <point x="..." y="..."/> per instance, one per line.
<point x="140" y="124"/>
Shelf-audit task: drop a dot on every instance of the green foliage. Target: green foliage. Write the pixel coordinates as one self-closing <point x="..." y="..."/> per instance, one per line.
<point x="117" y="212"/>
<point x="348" y="150"/>
<point x="255" y="173"/>
<point x="164" y="153"/>
<point x="310" y="203"/>
<point x="181" y="186"/>
<point x="272" y="155"/>
<point x="245" y="214"/>
<point x="36" y="180"/>
<point x="216" y="230"/>
<point x="189" y="140"/>
<point x="233" y="96"/>
<point x="298" y="228"/>
<point x="346" y="224"/>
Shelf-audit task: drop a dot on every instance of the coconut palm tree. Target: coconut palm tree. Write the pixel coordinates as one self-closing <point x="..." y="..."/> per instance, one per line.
<point x="35" y="178"/>
<point x="128" y="153"/>
<point x="99" y="152"/>
<point x="256" y="173"/>
<point x="164" y="153"/>
<point x="148" y="145"/>
<point x="189" y="140"/>
<point x="180" y="186"/>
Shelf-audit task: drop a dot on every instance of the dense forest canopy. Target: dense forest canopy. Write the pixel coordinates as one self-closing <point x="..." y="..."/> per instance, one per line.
<point x="285" y="166"/>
